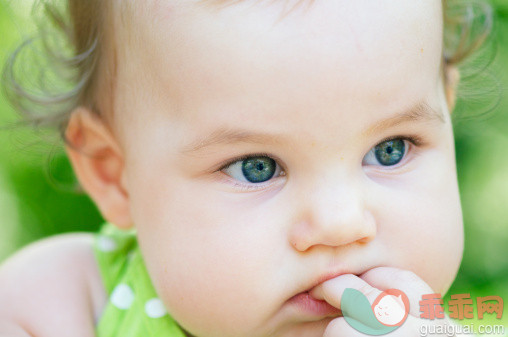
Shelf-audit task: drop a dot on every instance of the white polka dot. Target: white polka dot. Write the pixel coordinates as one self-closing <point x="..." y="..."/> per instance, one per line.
<point x="106" y="244"/>
<point x="154" y="308"/>
<point x="122" y="296"/>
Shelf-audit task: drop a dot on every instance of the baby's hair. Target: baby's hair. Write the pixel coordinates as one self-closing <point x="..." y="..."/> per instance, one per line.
<point x="74" y="54"/>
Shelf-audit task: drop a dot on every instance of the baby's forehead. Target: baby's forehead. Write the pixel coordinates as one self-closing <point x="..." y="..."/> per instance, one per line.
<point x="359" y="18"/>
<point x="382" y="33"/>
<point x="346" y="53"/>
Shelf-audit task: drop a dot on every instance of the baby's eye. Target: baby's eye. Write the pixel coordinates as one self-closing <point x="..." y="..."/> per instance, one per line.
<point x="255" y="169"/>
<point x="387" y="153"/>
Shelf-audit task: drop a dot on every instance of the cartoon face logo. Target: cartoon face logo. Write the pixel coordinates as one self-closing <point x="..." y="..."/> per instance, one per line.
<point x="389" y="309"/>
<point x="386" y="314"/>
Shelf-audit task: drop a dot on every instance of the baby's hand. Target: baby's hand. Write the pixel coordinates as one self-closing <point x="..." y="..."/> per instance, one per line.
<point x="369" y="284"/>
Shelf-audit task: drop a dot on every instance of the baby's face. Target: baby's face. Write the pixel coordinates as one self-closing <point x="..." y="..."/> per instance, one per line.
<point x="301" y="107"/>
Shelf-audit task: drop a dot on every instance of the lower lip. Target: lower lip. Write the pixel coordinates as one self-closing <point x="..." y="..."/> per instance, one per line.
<point x="308" y="305"/>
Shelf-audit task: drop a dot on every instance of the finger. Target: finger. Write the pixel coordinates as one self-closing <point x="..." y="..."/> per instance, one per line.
<point x="412" y="327"/>
<point x="380" y="280"/>
<point x="355" y="305"/>
<point x="411" y="284"/>
<point x="332" y="290"/>
<point x="339" y="327"/>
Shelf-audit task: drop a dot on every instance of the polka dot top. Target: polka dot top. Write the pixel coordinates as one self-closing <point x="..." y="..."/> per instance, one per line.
<point x="133" y="308"/>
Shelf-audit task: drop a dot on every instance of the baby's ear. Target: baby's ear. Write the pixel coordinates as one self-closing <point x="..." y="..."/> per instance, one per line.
<point x="452" y="78"/>
<point x="98" y="162"/>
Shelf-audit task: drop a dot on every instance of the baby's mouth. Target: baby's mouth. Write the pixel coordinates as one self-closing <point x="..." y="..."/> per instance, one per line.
<point x="311" y="302"/>
<point x="307" y="305"/>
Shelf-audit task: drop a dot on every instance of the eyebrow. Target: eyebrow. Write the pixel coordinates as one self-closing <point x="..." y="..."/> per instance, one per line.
<point x="225" y="135"/>
<point x="421" y="112"/>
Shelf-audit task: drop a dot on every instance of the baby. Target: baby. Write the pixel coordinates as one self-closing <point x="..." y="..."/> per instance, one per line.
<point x="264" y="155"/>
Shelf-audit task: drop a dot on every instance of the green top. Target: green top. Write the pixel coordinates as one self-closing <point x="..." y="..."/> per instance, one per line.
<point x="133" y="308"/>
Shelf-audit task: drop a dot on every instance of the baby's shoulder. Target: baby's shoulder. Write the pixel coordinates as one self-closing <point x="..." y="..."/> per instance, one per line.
<point x="52" y="287"/>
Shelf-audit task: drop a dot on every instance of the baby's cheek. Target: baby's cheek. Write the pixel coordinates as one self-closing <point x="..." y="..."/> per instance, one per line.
<point x="211" y="292"/>
<point x="420" y="221"/>
<point x="193" y="299"/>
<point x="442" y="251"/>
<point x="434" y="238"/>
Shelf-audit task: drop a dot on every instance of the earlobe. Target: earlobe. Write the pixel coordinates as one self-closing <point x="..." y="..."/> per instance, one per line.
<point x="98" y="162"/>
<point x="452" y="78"/>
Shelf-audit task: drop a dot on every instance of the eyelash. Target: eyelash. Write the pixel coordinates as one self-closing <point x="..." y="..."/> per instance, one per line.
<point x="243" y="187"/>
<point x="413" y="139"/>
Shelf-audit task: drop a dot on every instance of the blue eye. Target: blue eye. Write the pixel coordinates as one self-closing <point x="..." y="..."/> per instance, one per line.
<point x="387" y="153"/>
<point x="255" y="169"/>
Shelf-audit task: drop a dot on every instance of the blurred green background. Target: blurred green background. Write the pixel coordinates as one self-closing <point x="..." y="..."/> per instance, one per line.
<point x="35" y="177"/>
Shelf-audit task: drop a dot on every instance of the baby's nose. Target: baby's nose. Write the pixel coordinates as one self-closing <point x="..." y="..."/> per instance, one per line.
<point x="333" y="213"/>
